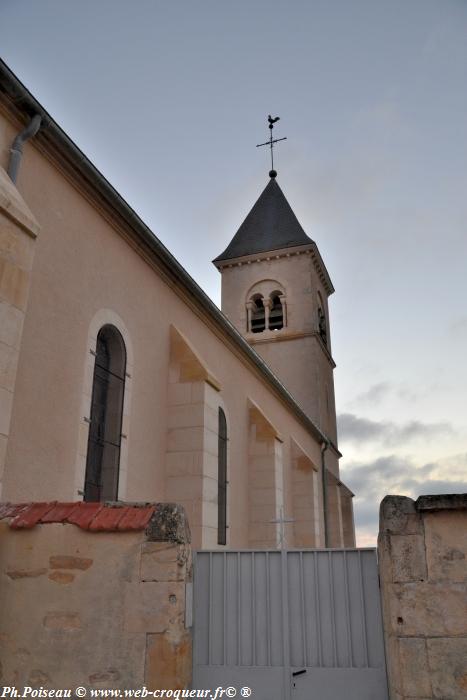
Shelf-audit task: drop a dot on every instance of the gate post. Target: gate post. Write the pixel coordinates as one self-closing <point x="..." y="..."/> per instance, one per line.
<point x="166" y="562"/>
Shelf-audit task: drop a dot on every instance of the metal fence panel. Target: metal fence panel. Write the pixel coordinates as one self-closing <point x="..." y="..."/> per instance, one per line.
<point x="313" y="611"/>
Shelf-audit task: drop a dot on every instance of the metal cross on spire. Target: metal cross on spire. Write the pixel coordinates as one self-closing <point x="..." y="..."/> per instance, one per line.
<point x="271" y="142"/>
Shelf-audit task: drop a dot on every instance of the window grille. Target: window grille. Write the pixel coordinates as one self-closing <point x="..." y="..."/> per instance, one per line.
<point x="222" y="480"/>
<point x="103" y="455"/>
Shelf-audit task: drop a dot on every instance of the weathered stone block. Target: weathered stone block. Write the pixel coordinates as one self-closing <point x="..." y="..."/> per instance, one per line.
<point x="448" y="664"/>
<point x="14" y="208"/>
<point x="153" y="607"/>
<point x="427" y="609"/>
<point x="198" y="392"/>
<point x="6" y="403"/>
<point x="168" y="661"/>
<point x="446" y="545"/>
<point x="62" y="621"/>
<point x="168" y="524"/>
<point x="3" y="446"/>
<point x="11" y="324"/>
<point x="179" y="394"/>
<point x="408" y="558"/>
<point x="210" y="489"/>
<point x="38" y="678"/>
<point x="186" y="416"/>
<point x="184" y="463"/>
<point x="64" y="561"/>
<point x="110" y="675"/>
<point x="439" y="502"/>
<point x="8" y="364"/>
<point x="25" y="573"/>
<point x="183" y="488"/>
<point x="262" y="513"/>
<point x="393" y="665"/>
<point x="161" y="561"/>
<point x="415" y="670"/>
<point x="397" y="515"/>
<point x="15" y="246"/>
<point x="262" y="497"/>
<point x="185" y="439"/>
<point x="385" y="558"/>
<point x="14" y="284"/>
<point x="61" y="577"/>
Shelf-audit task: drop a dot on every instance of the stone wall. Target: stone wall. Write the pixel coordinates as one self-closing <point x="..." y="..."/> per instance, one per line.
<point x="18" y="231"/>
<point x="422" y="549"/>
<point x="100" y="609"/>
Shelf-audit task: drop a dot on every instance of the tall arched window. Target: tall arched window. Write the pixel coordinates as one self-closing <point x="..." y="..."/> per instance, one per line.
<point x="322" y="325"/>
<point x="103" y="456"/>
<point x="222" y="480"/>
<point x="276" y="313"/>
<point x="258" y="321"/>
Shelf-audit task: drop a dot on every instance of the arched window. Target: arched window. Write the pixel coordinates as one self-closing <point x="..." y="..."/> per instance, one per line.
<point x="222" y="480"/>
<point x="276" y="313"/>
<point x="322" y="325"/>
<point x="258" y="322"/>
<point x="103" y="456"/>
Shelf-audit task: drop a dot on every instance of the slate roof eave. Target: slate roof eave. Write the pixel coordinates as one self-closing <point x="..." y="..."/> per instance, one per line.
<point x="280" y="252"/>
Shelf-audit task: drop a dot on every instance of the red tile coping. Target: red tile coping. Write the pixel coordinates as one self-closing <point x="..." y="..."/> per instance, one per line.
<point x="95" y="517"/>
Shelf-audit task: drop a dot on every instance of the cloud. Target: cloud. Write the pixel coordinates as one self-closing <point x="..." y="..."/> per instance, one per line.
<point x="375" y="394"/>
<point x="458" y="327"/>
<point x="353" y="428"/>
<point x="393" y="474"/>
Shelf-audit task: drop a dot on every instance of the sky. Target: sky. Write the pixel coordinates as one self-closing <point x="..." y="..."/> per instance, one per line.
<point x="169" y="99"/>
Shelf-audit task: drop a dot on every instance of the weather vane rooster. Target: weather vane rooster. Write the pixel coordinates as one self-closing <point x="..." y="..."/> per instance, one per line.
<point x="271" y="142"/>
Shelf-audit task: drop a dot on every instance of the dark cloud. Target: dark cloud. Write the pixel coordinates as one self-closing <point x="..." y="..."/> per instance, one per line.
<point x="392" y="474"/>
<point x="353" y="428"/>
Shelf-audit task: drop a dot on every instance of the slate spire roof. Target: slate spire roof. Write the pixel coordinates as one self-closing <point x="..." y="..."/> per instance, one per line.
<point x="270" y="225"/>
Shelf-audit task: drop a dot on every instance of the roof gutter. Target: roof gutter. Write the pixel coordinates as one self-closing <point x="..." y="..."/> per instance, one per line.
<point x="17" y="146"/>
<point x="52" y="136"/>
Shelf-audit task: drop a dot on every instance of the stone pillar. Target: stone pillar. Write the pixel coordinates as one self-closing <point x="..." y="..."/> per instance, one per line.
<point x="166" y="565"/>
<point x="422" y="550"/>
<point x="192" y="441"/>
<point x="18" y="230"/>
<point x="334" y="510"/>
<point x="283" y="299"/>
<point x="265" y="483"/>
<point x="305" y="499"/>
<point x="267" y="308"/>
<point x="348" y="526"/>
<point x="249" y="312"/>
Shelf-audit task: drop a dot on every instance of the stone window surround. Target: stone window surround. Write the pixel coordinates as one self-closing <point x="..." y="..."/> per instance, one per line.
<point x="267" y="303"/>
<point x="101" y="318"/>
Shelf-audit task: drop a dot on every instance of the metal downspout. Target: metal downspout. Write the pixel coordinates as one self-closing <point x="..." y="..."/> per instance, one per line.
<point x="324" y="447"/>
<point x="16" y="150"/>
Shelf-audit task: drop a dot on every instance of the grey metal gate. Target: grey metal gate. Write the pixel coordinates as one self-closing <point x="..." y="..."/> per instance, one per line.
<point x="289" y="624"/>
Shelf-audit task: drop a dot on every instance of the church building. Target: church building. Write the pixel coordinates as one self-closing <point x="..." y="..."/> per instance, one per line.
<point x="120" y="380"/>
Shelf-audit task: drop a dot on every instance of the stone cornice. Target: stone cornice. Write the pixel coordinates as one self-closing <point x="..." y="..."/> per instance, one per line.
<point x="311" y="249"/>
<point x="284" y="335"/>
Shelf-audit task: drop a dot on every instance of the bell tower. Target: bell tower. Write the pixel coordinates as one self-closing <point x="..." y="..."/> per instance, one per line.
<point x="275" y="290"/>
